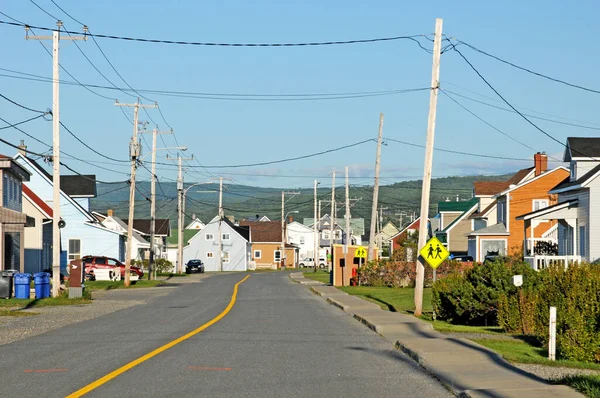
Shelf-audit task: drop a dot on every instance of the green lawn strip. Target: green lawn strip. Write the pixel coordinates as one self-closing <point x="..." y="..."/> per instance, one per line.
<point x="588" y="385"/>
<point x="389" y="298"/>
<point x="319" y="276"/>
<point x="110" y="285"/>
<point x="17" y="304"/>
<point x="523" y="352"/>
<point x="16" y="313"/>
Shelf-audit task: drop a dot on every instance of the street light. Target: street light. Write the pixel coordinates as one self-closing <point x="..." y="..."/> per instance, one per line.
<point x="284" y="234"/>
<point x="153" y="202"/>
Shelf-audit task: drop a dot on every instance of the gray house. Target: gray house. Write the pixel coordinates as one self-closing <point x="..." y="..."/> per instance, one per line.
<point x="357" y="230"/>
<point x="235" y="241"/>
<point x="578" y="207"/>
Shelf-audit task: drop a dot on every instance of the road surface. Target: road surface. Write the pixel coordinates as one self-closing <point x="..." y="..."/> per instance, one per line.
<point x="277" y="340"/>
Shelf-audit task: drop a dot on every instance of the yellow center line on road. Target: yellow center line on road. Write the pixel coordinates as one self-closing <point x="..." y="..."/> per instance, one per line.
<point x="132" y="364"/>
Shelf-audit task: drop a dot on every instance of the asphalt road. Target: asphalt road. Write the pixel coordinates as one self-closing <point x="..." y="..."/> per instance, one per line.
<point x="278" y="340"/>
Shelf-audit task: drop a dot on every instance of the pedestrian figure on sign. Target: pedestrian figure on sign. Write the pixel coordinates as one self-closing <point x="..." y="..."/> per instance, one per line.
<point x="438" y="252"/>
<point x="430" y="251"/>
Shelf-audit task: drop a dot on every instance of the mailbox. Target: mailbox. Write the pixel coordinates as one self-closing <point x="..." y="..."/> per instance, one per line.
<point x="76" y="273"/>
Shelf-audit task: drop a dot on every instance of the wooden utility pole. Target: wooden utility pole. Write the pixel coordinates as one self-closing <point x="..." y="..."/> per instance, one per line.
<point x="333" y="210"/>
<point x="375" y="191"/>
<point x="56" y="38"/>
<point x="283" y="239"/>
<point x="134" y="153"/>
<point x="155" y="132"/>
<point x="315" y="232"/>
<point x="423" y="229"/>
<point x="180" y="210"/>
<point x="348" y="237"/>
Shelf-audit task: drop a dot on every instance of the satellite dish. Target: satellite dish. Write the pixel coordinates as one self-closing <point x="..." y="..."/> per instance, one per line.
<point x="62" y="224"/>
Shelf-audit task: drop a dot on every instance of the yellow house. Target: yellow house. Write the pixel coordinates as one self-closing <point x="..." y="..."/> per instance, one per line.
<point x="265" y="237"/>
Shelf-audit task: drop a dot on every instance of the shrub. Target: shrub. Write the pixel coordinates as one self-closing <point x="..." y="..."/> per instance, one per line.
<point x="473" y="297"/>
<point x="161" y="264"/>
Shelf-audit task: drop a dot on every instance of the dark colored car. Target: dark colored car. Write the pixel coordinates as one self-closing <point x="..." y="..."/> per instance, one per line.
<point x="462" y="259"/>
<point x="101" y="262"/>
<point x="194" y="266"/>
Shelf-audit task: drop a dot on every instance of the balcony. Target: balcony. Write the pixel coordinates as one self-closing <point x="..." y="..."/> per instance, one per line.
<point x="543" y="261"/>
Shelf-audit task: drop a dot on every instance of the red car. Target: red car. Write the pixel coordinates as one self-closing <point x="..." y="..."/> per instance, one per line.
<point x="101" y="262"/>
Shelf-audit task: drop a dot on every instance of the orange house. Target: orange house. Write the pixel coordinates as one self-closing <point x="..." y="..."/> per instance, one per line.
<point x="265" y="237"/>
<point x="508" y="235"/>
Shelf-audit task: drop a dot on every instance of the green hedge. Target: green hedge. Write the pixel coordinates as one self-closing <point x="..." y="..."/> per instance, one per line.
<point x="575" y="292"/>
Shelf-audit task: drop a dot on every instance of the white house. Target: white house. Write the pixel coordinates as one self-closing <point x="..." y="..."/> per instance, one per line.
<point x="139" y="245"/>
<point x="236" y="248"/>
<point x="195" y="223"/>
<point x="301" y="236"/>
<point x="82" y="233"/>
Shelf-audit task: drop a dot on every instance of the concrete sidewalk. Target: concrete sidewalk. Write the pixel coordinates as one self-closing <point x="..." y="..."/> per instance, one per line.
<point x="464" y="367"/>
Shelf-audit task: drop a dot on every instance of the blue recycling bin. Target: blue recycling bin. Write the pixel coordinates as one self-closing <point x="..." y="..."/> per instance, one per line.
<point x="21" y="282"/>
<point x="42" y="285"/>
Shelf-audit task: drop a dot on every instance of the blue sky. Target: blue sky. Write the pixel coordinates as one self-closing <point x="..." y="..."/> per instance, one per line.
<point x="550" y="37"/>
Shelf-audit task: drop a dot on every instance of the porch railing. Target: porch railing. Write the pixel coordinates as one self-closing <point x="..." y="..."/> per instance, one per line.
<point x="539" y="262"/>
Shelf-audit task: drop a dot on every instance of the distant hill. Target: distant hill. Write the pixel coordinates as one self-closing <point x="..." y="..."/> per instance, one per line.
<point x="243" y="201"/>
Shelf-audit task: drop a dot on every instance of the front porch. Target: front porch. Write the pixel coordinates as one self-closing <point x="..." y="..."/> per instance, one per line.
<point x="557" y="246"/>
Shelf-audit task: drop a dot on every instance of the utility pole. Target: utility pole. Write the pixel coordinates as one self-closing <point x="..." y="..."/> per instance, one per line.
<point x="134" y="153"/>
<point x="347" y="214"/>
<point x="375" y="191"/>
<point x="221" y="216"/>
<point x="283" y="241"/>
<point x="333" y="210"/>
<point x="56" y="38"/>
<point x="179" y="210"/>
<point x="423" y="230"/>
<point x="155" y="132"/>
<point x="315" y="232"/>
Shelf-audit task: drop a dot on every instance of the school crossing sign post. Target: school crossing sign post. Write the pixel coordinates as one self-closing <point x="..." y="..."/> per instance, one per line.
<point x="434" y="252"/>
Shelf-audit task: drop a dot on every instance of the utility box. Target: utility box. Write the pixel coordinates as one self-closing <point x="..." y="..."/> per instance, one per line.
<point x="343" y="264"/>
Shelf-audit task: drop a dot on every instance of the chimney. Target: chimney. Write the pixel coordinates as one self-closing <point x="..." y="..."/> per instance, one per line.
<point x="109" y="212"/>
<point x="193" y="216"/>
<point x="23" y="148"/>
<point x="291" y="219"/>
<point x="540" y="161"/>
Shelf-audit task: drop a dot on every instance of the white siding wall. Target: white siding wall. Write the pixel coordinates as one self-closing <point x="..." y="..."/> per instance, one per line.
<point x="584" y="167"/>
<point x="594" y="221"/>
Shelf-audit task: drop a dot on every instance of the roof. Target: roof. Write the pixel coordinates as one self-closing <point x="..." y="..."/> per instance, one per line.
<point x="518" y="177"/>
<point x="582" y="147"/>
<point x="357" y="225"/>
<point x="79" y="185"/>
<point x="162" y="226"/>
<point x="412" y="225"/>
<point x="549" y="209"/>
<point x="187" y="235"/>
<point x="489" y="188"/>
<point x="484" y="212"/>
<point x="263" y="231"/>
<point x="496" y="229"/>
<point x="474" y="204"/>
<point x="513" y="187"/>
<point x="134" y="235"/>
<point x="567" y="185"/>
<point x="457" y="206"/>
<point x="244" y="231"/>
<point x="43" y="206"/>
<point x="14" y="167"/>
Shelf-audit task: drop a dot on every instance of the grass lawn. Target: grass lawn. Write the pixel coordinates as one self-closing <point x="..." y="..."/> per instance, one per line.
<point x="391" y="299"/>
<point x="17" y="313"/>
<point x="523" y="352"/>
<point x="585" y="384"/>
<point x="110" y="285"/>
<point x="317" y="276"/>
<point x="30" y="303"/>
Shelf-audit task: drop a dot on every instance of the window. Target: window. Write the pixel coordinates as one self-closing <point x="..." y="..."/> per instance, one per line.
<point x="225" y="257"/>
<point x="210" y="237"/>
<point x="338" y="234"/>
<point x="582" y="241"/>
<point x="11" y="192"/>
<point x="539" y="204"/>
<point x="112" y="262"/>
<point x="257" y="254"/>
<point x="74" y="249"/>
<point x="12" y="250"/>
<point x="326" y="235"/>
<point x="277" y="255"/>
<point x="209" y="255"/>
<point x="100" y="261"/>
<point x="502" y="211"/>
<point x="573" y="170"/>
<point x="225" y="236"/>
<point x="302" y="240"/>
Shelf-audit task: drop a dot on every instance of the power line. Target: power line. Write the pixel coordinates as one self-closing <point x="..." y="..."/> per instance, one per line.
<point x="217" y="44"/>
<point x="14" y="125"/>
<point x="556" y="80"/>
<point x="24" y="107"/>
<point x="91" y="148"/>
<point x="457" y="152"/>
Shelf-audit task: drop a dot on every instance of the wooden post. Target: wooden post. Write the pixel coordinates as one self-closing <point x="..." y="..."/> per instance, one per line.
<point x="423" y="230"/>
<point x="552" y="330"/>
<point x="375" y="191"/>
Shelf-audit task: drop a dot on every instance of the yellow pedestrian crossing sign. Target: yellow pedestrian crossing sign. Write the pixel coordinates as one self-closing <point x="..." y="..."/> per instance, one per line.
<point x="434" y="252"/>
<point x="360" y="252"/>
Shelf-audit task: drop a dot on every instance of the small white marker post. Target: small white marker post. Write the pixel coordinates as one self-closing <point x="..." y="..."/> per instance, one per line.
<point x="552" y="341"/>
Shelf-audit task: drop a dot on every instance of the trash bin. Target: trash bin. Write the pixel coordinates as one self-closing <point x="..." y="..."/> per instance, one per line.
<point x="42" y="285"/>
<point x="6" y="284"/>
<point x="22" y="285"/>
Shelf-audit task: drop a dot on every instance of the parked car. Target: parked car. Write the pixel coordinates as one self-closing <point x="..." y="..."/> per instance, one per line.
<point x="193" y="266"/>
<point x="462" y="258"/>
<point x="309" y="262"/>
<point x="101" y="262"/>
